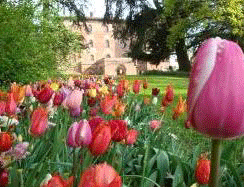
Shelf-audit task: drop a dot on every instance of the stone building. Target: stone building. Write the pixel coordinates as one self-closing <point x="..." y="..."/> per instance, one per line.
<point x="104" y="54"/>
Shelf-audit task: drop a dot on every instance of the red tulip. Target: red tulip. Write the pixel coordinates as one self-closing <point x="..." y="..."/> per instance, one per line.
<point x="6" y="141"/>
<point x="169" y="96"/>
<point x="4" y="175"/>
<point x="145" y="84"/>
<point x="120" y="90"/>
<point x="58" y="181"/>
<point x="118" y="129"/>
<point x="10" y="107"/>
<point x="101" y="175"/>
<point x="101" y="138"/>
<point x="45" y="94"/>
<point x="136" y="86"/>
<point x="91" y="101"/>
<point x="131" y="136"/>
<point x="155" y="91"/>
<point x="39" y="122"/>
<point x="79" y="134"/>
<point x="93" y="112"/>
<point x="95" y="121"/>
<point x="58" y="99"/>
<point x="202" y="172"/>
<point x="215" y="94"/>
<point x="108" y="103"/>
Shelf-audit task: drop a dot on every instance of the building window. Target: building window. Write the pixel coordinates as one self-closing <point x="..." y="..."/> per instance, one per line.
<point x="107" y="44"/>
<point x="108" y="56"/>
<point x="92" y="58"/>
<point x="90" y="44"/>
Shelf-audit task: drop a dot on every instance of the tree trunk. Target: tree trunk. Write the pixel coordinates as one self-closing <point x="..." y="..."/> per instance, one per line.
<point x="182" y="56"/>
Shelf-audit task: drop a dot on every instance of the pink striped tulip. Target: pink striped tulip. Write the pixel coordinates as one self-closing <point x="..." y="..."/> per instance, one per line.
<point x="79" y="134"/>
<point x="216" y="90"/>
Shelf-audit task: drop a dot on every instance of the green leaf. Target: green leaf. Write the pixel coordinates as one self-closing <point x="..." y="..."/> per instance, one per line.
<point x="162" y="165"/>
<point x="178" y="180"/>
<point x="153" y="177"/>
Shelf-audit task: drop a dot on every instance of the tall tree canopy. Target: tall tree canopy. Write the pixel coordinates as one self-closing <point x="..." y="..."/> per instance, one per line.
<point x="166" y="26"/>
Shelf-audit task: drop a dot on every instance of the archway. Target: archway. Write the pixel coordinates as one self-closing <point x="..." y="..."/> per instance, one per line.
<point x="121" y="70"/>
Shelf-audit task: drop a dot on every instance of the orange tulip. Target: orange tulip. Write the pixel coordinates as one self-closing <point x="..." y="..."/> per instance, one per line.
<point x="101" y="138"/>
<point x="18" y="92"/>
<point x="119" y="109"/>
<point x="39" y="122"/>
<point x="180" y="108"/>
<point x="101" y="175"/>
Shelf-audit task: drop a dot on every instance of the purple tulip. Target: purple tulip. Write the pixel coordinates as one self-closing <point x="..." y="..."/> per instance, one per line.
<point x="216" y="90"/>
<point x="79" y="134"/>
<point x="75" y="112"/>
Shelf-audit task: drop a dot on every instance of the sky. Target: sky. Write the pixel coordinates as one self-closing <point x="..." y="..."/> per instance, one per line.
<point x="97" y="7"/>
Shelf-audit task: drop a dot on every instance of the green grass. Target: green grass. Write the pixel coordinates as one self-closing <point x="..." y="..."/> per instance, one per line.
<point x="180" y="84"/>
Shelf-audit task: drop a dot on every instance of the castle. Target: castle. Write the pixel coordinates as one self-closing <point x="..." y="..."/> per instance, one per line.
<point x="104" y="54"/>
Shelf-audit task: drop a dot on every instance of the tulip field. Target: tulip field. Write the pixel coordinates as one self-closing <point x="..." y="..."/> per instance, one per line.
<point x="97" y="132"/>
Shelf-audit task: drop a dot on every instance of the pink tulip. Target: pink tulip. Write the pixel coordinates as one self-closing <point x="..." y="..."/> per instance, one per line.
<point x="155" y="124"/>
<point x="28" y="91"/>
<point x="216" y="90"/>
<point x="2" y="107"/>
<point x="74" y="99"/>
<point x="11" y="106"/>
<point x="79" y="134"/>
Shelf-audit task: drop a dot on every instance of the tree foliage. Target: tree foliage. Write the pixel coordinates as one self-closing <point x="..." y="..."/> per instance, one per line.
<point x="32" y="44"/>
<point x="175" y="25"/>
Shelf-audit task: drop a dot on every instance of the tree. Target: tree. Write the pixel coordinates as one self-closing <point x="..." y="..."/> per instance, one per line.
<point x="175" y="25"/>
<point x="32" y="45"/>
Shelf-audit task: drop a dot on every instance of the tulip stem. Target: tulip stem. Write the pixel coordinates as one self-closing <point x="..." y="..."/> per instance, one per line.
<point x="215" y="163"/>
<point x="75" y="166"/>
